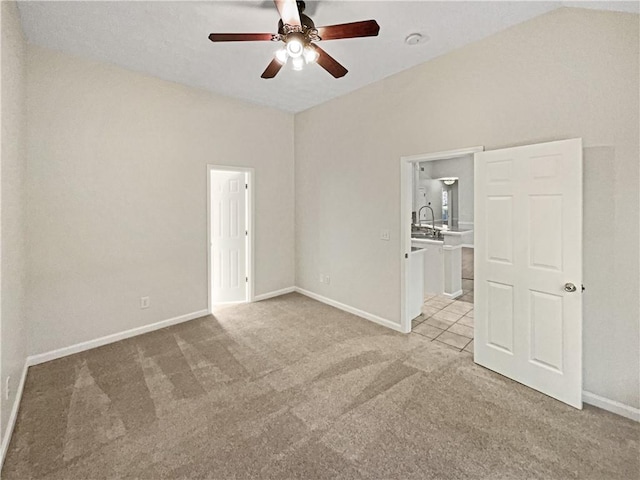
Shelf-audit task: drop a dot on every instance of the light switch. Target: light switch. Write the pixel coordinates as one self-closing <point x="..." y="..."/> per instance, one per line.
<point x="384" y="234"/>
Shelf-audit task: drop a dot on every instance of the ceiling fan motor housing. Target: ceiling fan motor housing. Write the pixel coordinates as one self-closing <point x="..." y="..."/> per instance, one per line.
<point x="307" y="24"/>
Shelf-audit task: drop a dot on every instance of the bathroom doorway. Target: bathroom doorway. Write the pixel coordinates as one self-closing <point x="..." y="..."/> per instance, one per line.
<point x="527" y="268"/>
<point x="437" y="226"/>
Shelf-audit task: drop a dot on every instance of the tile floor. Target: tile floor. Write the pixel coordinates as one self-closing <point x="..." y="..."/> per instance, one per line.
<point x="450" y="322"/>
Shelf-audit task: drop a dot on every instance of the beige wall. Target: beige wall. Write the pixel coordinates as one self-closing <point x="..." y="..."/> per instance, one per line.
<point x="13" y="328"/>
<point x="570" y="73"/>
<point x="117" y="196"/>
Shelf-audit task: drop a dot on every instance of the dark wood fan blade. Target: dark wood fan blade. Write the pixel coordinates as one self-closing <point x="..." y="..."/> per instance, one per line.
<point x="367" y="28"/>
<point x="329" y="63"/>
<point x="272" y="69"/>
<point x="240" y="37"/>
<point x="288" y="10"/>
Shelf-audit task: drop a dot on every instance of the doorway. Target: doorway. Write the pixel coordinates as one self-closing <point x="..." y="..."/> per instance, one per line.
<point x="527" y="264"/>
<point x="443" y="257"/>
<point x="230" y="226"/>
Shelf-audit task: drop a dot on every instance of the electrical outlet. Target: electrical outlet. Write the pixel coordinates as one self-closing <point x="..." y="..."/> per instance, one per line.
<point x="7" y="388"/>
<point x="321" y="278"/>
<point x="144" y="302"/>
<point x="384" y="234"/>
<point x="327" y="279"/>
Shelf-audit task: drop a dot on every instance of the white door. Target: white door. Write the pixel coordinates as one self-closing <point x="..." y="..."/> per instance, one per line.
<point x="228" y="236"/>
<point x="528" y="266"/>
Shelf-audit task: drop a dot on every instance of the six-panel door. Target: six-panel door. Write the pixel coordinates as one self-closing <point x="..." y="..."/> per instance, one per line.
<point x="528" y="245"/>
<point x="228" y="236"/>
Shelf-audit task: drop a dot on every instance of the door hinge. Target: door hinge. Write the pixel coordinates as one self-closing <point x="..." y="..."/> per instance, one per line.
<point x="406" y="255"/>
<point x="246" y="232"/>
<point x="246" y="279"/>
<point x="246" y="186"/>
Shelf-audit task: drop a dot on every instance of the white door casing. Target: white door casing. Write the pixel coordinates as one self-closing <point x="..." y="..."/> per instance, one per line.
<point x="528" y="246"/>
<point x="228" y="233"/>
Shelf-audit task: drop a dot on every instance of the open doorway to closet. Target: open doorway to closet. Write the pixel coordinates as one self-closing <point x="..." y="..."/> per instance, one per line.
<point x="230" y="234"/>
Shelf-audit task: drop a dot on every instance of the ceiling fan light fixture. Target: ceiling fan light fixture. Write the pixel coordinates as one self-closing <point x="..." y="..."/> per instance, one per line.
<point x="298" y="63"/>
<point x="295" y="45"/>
<point x="310" y="54"/>
<point x="282" y="56"/>
<point x="299" y="32"/>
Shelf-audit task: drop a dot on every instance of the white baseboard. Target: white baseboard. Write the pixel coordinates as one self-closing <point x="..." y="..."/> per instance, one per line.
<point x="275" y="293"/>
<point x="347" y="308"/>
<point x="611" y="406"/>
<point x="452" y="295"/>
<point x="8" y="432"/>
<point x="98" y="342"/>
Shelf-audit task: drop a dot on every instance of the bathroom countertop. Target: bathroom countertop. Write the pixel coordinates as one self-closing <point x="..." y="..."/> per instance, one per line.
<point x="456" y="231"/>
<point x="425" y="241"/>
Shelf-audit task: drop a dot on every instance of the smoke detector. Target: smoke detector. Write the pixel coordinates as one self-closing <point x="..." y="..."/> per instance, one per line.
<point x="415" y="39"/>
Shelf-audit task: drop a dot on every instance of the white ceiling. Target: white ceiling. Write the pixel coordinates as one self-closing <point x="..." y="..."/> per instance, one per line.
<point x="168" y="39"/>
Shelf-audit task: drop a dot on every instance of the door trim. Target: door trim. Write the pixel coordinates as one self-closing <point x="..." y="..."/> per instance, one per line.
<point x="406" y="188"/>
<point x="250" y="209"/>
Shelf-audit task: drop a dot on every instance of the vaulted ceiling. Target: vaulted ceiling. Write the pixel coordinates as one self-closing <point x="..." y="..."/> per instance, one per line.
<point x="169" y="40"/>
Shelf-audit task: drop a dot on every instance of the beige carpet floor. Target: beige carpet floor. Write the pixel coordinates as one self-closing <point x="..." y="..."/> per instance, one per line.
<point x="291" y="388"/>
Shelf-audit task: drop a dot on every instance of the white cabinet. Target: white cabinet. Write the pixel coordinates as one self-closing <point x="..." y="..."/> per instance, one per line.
<point x="452" y="257"/>
<point x="443" y="262"/>
<point x="415" y="289"/>
<point x="434" y="270"/>
<point x="433" y="265"/>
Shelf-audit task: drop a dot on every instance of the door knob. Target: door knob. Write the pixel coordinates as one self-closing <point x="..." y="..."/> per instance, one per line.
<point x="569" y="287"/>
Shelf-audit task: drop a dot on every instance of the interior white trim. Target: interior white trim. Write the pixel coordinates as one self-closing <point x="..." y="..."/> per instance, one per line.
<point x="98" y="342"/>
<point x="8" y="432"/>
<point x="275" y="293"/>
<point x="445" y="155"/>
<point x="452" y="295"/>
<point x="611" y="406"/>
<point x="356" y="311"/>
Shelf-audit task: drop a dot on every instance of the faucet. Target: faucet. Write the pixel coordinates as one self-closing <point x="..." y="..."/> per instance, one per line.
<point x="433" y="218"/>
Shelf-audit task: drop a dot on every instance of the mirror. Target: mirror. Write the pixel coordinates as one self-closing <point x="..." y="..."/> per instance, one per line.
<point x="447" y="187"/>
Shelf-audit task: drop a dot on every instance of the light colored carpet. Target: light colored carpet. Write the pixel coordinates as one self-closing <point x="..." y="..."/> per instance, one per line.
<point x="291" y="388"/>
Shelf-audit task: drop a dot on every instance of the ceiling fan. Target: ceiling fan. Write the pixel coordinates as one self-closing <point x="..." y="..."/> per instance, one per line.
<point x="299" y="33"/>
